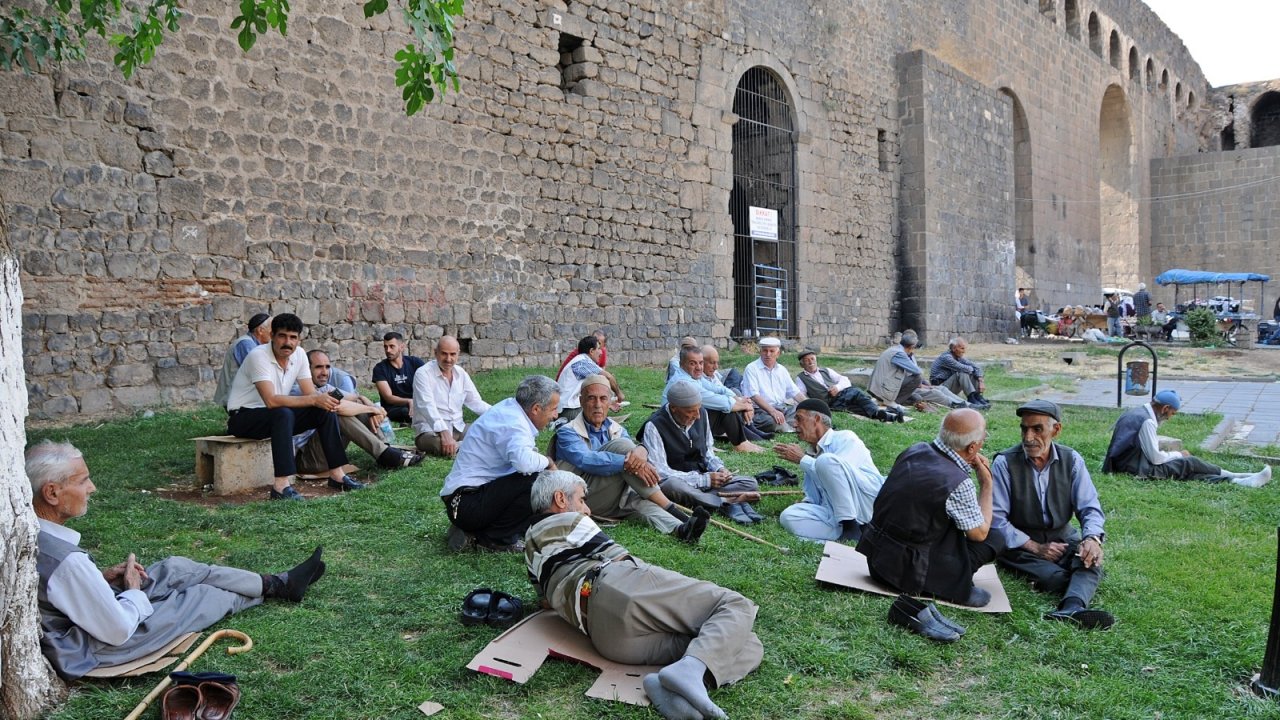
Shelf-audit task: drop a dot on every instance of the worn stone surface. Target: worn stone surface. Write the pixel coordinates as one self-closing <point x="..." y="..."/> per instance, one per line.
<point x="550" y="195"/>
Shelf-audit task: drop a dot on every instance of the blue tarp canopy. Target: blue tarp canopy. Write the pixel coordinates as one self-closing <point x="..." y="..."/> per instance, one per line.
<point x="1191" y="277"/>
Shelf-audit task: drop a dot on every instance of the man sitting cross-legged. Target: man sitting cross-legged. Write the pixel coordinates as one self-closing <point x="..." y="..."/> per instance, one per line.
<point x="728" y="413"/>
<point x="841" y="480"/>
<point x="260" y="406"/>
<point x="897" y="380"/>
<point x="440" y="389"/>
<point x="1135" y="449"/>
<point x="837" y="392"/>
<point x="929" y="522"/>
<point x="636" y="613"/>
<point x="618" y="474"/>
<point x="393" y="377"/>
<point x="357" y="420"/>
<point x="92" y="618"/>
<point x="486" y="495"/>
<point x="1038" y="486"/>
<point x="678" y="438"/>
<point x="769" y="385"/>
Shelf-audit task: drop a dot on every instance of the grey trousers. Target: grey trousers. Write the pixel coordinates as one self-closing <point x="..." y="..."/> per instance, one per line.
<point x="640" y="614"/>
<point x="622" y="495"/>
<point x="764" y="422"/>
<point x="311" y="460"/>
<point x="1067" y="577"/>
<point x="961" y="384"/>
<point x="685" y="494"/>
<point x="429" y="442"/>
<point x="1183" y="468"/>
<point x="187" y="596"/>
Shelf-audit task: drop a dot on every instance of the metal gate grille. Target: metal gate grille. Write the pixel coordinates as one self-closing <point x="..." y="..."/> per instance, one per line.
<point x="764" y="269"/>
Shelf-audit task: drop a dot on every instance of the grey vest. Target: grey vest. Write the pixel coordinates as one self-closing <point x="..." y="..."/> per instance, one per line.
<point x="227" y="374"/>
<point x="813" y="388"/>
<point x="1025" y="512"/>
<point x="886" y="378"/>
<point x="1124" y="455"/>
<point x="68" y="648"/>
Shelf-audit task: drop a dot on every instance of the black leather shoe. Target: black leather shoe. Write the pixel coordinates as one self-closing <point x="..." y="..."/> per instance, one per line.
<point x="288" y="493"/>
<point x="348" y="484"/>
<point x="1084" y="618"/>
<point x="913" y="615"/>
<point x="690" y="530"/>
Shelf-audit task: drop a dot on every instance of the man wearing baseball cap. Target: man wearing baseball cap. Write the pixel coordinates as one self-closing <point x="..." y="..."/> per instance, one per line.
<point x="1039" y="485"/>
<point x="1135" y="449"/>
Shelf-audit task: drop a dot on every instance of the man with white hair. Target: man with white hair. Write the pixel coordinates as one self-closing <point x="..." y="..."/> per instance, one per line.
<point x="1135" y="449"/>
<point x="769" y="385"/>
<point x="486" y="495"/>
<point x="897" y="380"/>
<point x="727" y="412"/>
<point x="636" y="613"/>
<point x="960" y="375"/>
<point x="930" y="526"/>
<point x="92" y="618"/>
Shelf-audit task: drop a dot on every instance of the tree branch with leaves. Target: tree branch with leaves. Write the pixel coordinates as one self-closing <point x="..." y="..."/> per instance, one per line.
<point x="33" y="39"/>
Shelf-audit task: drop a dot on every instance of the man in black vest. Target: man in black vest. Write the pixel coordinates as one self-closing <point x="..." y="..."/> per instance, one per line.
<point x="1135" y="449"/>
<point x="1039" y="486"/>
<point x="929" y="522"/>
<point x="678" y="438"/>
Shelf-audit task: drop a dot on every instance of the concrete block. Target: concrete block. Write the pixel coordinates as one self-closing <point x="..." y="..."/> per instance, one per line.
<point x="232" y="464"/>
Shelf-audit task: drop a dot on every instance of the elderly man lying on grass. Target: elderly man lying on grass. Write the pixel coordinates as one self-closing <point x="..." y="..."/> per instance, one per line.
<point x="636" y="613"/>
<point x="90" y="617"/>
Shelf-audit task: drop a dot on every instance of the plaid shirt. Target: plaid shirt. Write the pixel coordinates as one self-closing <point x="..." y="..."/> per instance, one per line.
<point x="962" y="504"/>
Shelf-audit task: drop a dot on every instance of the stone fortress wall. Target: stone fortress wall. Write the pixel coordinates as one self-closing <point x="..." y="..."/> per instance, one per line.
<point x="945" y="152"/>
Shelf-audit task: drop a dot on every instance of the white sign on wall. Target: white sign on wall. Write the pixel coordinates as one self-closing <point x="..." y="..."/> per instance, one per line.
<point x="764" y="223"/>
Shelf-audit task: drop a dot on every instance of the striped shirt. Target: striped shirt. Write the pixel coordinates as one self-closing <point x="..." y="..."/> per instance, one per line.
<point x="560" y="550"/>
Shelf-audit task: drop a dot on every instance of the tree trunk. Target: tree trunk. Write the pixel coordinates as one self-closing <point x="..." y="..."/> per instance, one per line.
<point x="28" y="685"/>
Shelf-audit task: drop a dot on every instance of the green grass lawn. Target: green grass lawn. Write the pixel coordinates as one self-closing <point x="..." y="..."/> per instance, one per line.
<point x="1190" y="569"/>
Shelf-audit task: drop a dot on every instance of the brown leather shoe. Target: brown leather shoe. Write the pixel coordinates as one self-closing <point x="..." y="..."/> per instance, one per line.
<point x="219" y="700"/>
<point x="181" y="702"/>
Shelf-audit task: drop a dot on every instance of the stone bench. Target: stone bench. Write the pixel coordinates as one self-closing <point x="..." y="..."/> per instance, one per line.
<point x="231" y="464"/>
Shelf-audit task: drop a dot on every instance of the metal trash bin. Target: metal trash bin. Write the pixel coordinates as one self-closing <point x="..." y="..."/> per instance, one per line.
<point x="1137" y="376"/>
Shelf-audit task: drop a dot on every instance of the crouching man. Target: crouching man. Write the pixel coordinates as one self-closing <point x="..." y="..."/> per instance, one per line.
<point x="636" y="613"/>
<point x="92" y="618"/>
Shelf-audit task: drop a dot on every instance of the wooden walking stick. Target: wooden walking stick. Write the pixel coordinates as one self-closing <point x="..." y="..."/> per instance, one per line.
<point x="246" y="646"/>
<point x="735" y="531"/>
<point x="763" y="493"/>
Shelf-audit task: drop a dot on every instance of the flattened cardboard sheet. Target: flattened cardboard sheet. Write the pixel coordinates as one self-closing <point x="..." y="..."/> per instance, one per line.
<point x="518" y="653"/>
<point x="348" y="469"/>
<point x="162" y="658"/>
<point x="842" y="565"/>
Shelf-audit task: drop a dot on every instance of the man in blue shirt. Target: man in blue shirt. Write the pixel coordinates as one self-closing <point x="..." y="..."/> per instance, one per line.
<point x="619" y="477"/>
<point x="960" y="375"/>
<point x="1038" y="486"/>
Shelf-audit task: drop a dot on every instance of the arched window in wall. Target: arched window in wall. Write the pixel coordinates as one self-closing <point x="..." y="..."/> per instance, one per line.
<point x="1095" y="34"/>
<point x="1115" y="50"/>
<point x="1151" y="74"/>
<point x="1135" y="70"/>
<point x="763" y="207"/>
<point x="1164" y="80"/>
<point x="1265" y="120"/>
<point x="1072" y="12"/>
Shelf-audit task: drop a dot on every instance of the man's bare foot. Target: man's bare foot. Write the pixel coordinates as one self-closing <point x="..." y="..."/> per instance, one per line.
<point x="746" y="446"/>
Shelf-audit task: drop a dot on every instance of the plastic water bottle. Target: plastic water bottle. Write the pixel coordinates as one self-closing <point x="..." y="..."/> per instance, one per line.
<point x="388" y="432"/>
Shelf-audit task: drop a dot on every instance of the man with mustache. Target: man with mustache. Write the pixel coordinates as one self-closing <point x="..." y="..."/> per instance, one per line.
<point x="260" y="406"/>
<point x="1038" y="486"/>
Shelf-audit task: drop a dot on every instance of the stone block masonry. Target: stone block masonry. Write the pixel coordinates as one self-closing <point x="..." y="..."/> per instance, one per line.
<point x="578" y="179"/>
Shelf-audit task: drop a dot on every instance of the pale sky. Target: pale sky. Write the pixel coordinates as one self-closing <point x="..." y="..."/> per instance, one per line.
<point x="1233" y="40"/>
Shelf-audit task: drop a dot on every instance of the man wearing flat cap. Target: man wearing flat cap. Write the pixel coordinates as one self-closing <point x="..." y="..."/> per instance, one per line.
<point x="841" y="480"/>
<point x="836" y="391"/>
<point x="1039" y="485"/>
<point x="1135" y="449"/>
<point x="769" y="385"/>
<point x="678" y="438"/>
<point x="620" y="480"/>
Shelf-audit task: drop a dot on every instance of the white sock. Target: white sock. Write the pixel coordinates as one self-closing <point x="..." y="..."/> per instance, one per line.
<point x="1256" y="480"/>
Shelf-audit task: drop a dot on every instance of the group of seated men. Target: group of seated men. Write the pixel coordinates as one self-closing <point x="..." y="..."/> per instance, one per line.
<point x="941" y="512"/>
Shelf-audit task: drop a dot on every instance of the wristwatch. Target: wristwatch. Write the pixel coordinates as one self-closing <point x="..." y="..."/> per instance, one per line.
<point x="1096" y="538"/>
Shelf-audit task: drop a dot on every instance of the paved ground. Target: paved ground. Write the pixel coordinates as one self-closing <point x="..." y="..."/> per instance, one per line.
<point x="1253" y="407"/>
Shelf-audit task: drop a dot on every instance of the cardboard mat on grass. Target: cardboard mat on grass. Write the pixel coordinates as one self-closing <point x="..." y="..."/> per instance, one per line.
<point x="518" y="653"/>
<point x="842" y="565"/>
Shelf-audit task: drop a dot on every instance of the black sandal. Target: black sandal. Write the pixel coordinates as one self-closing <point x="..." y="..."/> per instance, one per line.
<point x="504" y="610"/>
<point x="475" y="608"/>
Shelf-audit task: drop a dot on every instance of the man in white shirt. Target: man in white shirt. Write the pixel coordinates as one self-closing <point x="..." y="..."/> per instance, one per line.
<point x="1135" y="449"/>
<point x="260" y="406"/>
<point x="94" y="618"/>
<point x="770" y="387"/>
<point x="581" y="367"/>
<point x="440" y="389"/>
<point x="841" y="480"/>
<point x="486" y="495"/>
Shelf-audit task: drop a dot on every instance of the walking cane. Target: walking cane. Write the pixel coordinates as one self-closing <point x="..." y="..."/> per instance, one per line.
<point x="763" y="493"/>
<point x="186" y="663"/>
<point x="735" y="531"/>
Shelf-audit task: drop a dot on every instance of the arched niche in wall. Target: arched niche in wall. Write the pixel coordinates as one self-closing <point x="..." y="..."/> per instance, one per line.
<point x="1264" y="120"/>
<point x="1023" y="206"/>
<point x="1117" y="191"/>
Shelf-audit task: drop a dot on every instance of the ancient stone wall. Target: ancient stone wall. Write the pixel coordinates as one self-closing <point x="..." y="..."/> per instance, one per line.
<point x="957" y="172"/>
<point x="553" y="194"/>
<point x="1218" y="212"/>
